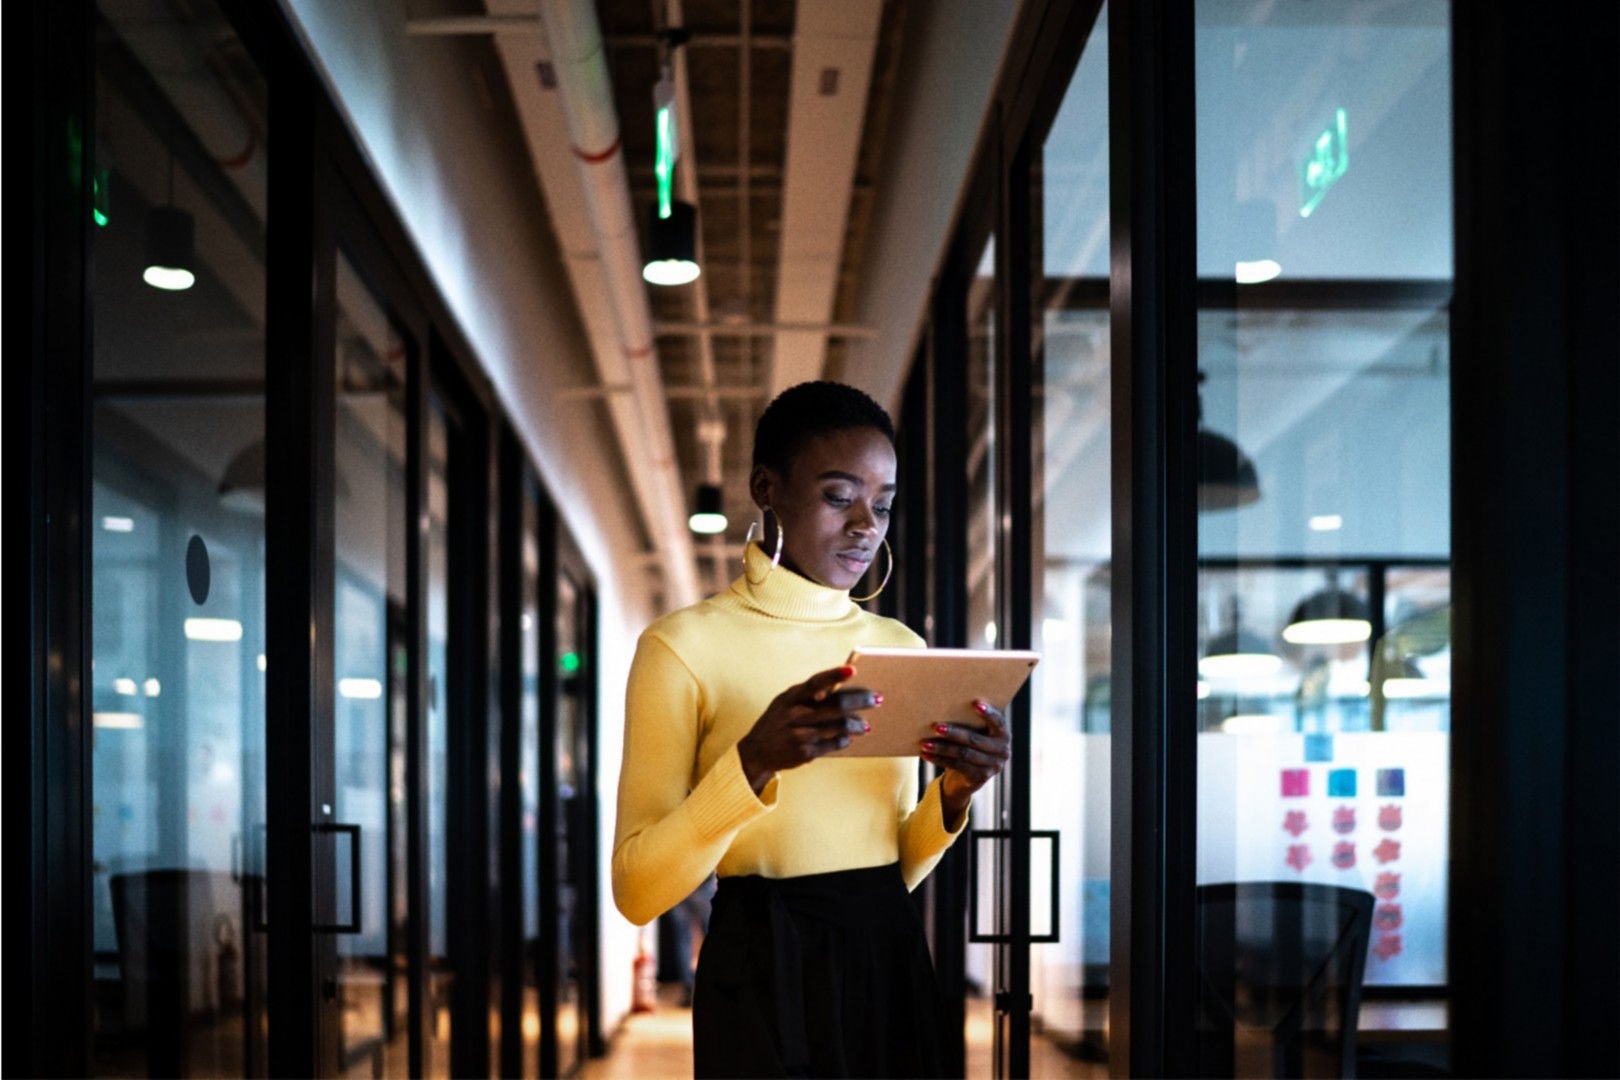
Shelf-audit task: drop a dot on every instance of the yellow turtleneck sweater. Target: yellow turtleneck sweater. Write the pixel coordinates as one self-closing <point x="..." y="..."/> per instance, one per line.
<point x="700" y="679"/>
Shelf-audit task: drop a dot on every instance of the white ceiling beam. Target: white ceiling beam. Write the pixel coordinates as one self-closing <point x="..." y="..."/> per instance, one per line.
<point x="833" y="49"/>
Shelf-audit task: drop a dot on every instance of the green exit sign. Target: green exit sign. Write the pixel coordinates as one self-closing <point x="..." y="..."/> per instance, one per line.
<point x="1329" y="159"/>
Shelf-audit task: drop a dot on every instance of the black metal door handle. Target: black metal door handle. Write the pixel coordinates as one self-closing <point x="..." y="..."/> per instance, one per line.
<point x="994" y="937"/>
<point x="353" y="925"/>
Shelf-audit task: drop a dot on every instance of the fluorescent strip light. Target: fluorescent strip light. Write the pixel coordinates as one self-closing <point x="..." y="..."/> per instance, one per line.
<point x="1327" y="523"/>
<point x="213" y="630"/>
<point x="261" y="661"/>
<point x="126" y="687"/>
<point x="1254" y="724"/>
<point x="1327" y="631"/>
<point x="1253" y="272"/>
<point x="1238" y="665"/>
<point x="360" y="689"/>
<point x="123" y="721"/>
<point x="118" y="524"/>
<point x="170" y="278"/>
<point x="153" y="688"/>
<point x="1415" y="688"/>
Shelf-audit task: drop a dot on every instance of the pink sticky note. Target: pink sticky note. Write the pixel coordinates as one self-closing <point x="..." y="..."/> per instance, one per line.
<point x="1296" y="783"/>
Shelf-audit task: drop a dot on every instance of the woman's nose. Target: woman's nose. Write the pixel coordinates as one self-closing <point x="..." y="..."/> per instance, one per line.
<point x="861" y="519"/>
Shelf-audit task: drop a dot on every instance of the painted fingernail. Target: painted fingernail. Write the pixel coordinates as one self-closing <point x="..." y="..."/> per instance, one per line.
<point x="846" y="671"/>
<point x="928" y="746"/>
<point x="982" y="707"/>
<point x="942" y="729"/>
<point x="866" y="725"/>
<point x="877" y="699"/>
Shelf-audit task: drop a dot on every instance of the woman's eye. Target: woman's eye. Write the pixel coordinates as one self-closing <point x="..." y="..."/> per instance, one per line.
<point x="839" y="501"/>
<point x="881" y="511"/>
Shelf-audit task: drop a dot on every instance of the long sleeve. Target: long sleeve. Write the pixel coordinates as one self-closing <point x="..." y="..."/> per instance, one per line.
<point x="923" y="836"/>
<point x="670" y="834"/>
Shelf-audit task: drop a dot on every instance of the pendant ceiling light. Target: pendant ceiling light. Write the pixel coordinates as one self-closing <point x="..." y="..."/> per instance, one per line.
<point x="672" y="246"/>
<point x="1333" y="616"/>
<point x="1226" y="476"/>
<point x="709" y="517"/>
<point x="672" y="236"/>
<point x="1236" y="653"/>
<point x="170" y="245"/>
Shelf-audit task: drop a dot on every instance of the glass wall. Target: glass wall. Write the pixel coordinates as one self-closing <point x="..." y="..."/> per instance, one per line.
<point x="441" y="972"/>
<point x="1324" y="259"/>
<point x="983" y="525"/>
<point x="177" y="546"/>
<point x="567" y="741"/>
<point x="529" y="781"/>
<point x="1072" y="530"/>
<point x="372" y="668"/>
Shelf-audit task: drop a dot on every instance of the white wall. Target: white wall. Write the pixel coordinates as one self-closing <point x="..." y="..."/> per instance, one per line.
<point x="473" y="209"/>
<point x="952" y="58"/>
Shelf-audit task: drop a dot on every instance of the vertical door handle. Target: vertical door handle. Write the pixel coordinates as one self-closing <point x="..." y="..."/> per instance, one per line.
<point x="996" y="937"/>
<point x="353" y="925"/>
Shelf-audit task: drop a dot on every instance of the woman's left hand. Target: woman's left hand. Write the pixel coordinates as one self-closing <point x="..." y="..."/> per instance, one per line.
<point x="970" y="758"/>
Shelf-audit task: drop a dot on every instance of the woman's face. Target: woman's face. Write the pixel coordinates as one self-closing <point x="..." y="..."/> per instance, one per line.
<point x="833" y="504"/>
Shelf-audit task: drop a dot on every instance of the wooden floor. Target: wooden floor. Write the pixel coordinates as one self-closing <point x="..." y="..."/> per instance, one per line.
<point x="658" y="1046"/>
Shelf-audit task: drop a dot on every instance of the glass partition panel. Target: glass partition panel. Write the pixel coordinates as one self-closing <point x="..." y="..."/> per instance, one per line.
<point x="441" y="971"/>
<point x="1324" y="257"/>
<point x="177" y="541"/>
<point x="984" y="1035"/>
<point x="529" y="781"/>
<point x="1072" y="528"/>
<point x="571" y="858"/>
<point x="372" y="670"/>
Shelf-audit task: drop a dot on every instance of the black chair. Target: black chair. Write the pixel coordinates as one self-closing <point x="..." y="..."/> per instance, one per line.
<point x="1280" y="968"/>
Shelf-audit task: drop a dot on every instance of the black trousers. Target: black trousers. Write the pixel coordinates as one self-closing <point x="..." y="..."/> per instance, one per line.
<point x="822" y="975"/>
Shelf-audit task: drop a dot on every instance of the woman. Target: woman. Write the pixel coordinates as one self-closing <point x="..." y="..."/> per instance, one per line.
<point x="815" y="963"/>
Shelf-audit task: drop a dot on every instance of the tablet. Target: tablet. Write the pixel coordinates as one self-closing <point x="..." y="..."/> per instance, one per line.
<point x="924" y="687"/>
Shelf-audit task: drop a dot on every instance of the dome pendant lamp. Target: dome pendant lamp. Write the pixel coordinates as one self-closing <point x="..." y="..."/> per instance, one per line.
<point x="170" y="245"/>
<point x="672" y="235"/>
<point x="1330" y="617"/>
<point x="1226" y="476"/>
<point x="1237" y="653"/>
<point x="709" y="517"/>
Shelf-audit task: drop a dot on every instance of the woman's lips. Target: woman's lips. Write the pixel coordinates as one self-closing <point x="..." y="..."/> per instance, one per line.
<point x="855" y="562"/>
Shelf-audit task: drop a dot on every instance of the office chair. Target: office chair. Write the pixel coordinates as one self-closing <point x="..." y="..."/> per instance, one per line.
<point x="1280" y="968"/>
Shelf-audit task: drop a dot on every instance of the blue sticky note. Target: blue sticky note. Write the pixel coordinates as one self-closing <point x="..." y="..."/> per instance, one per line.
<point x="1342" y="783"/>
<point x="1318" y="748"/>
<point x="1392" y="781"/>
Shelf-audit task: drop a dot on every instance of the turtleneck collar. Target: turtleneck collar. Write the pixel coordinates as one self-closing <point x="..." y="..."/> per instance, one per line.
<point x="787" y="595"/>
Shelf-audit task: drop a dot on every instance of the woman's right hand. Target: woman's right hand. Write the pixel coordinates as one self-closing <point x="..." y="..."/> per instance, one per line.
<point x="804" y="722"/>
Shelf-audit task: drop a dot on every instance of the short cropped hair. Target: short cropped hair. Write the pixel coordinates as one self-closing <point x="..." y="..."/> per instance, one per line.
<point x="802" y="412"/>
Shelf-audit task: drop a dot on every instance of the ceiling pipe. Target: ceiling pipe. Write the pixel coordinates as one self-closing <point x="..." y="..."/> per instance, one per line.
<point x="575" y="41"/>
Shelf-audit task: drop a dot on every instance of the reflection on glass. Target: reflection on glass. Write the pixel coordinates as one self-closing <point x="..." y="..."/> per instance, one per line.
<point x="177" y="554"/>
<point x="983" y="976"/>
<point x="1070" y="701"/>
<point x="1323" y="145"/>
<point x="571" y="859"/>
<point x="529" y="783"/>
<point x="368" y="709"/>
<point x="440" y="971"/>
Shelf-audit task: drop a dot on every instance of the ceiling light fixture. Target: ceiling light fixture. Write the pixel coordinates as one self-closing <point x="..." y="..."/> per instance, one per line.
<point x="1330" y="617"/>
<point x="709" y="517"/>
<point x="1256" y="221"/>
<point x="1237" y="653"/>
<point x="672" y="236"/>
<point x="1226" y="475"/>
<point x="170" y="245"/>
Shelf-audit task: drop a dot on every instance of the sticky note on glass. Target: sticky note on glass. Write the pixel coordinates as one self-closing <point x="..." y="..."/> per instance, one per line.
<point x="1342" y="783"/>
<point x="1318" y="748"/>
<point x="1296" y="783"/>
<point x="1392" y="781"/>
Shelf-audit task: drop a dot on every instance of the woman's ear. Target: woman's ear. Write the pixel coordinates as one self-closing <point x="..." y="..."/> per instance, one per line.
<point x="762" y="484"/>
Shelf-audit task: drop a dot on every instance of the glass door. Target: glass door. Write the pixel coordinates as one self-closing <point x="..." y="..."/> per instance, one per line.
<point x="367" y="850"/>
<point x="571" y="852"/>
<point x="177" y="549"/>
<point x="1324" y="249"/>
<point x="1068" y="727"/>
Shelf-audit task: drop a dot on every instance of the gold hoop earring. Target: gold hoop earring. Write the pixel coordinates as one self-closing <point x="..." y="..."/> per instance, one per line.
<point x="890" y="552"/>
<point x="776" y="560"/>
